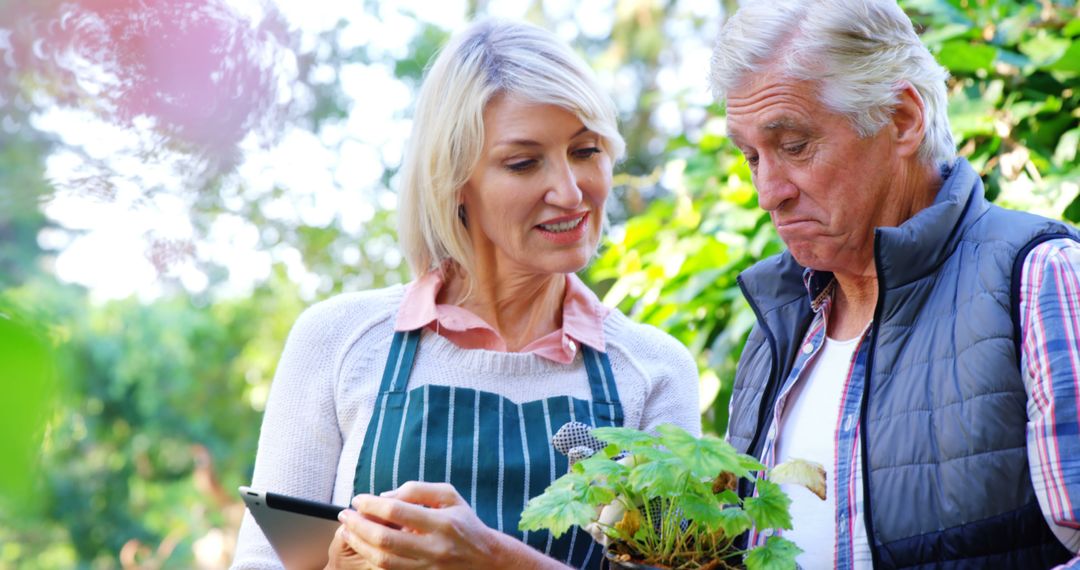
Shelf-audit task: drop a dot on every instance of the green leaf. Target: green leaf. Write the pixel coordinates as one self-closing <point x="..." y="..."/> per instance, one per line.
<point x="573" y="483"/>
<point x="600" y="466"/>
<point x="556" y="511"/>
<point x="1067" y="146"/>
<point x="809" y="474"/>
<point x="704" y="510"/>
<point x="1071" y="29"/>
<point x="750" y="464"/>
<point x="728" y="497"/>
<point x="705" y="457"/>
<point x="1072" y="212"/>
<point x="625" y="438"/>
<point x="1069" y="61"/>
<point x="646" y="454"/>
<point x="769" y="508"/>
<point x="662" y="478"/>
<point x="971" y="110"/>
<point x="935" y="36"/>
<point x="777" y="553"/>
<point x="734" y="521"/>
<point x="598" y="495"/>
<point x="1044" y="49"/>
<point x="963" y="57"/>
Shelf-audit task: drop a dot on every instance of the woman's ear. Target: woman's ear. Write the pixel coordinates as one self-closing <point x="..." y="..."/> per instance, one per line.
<point x="909" y="120"/>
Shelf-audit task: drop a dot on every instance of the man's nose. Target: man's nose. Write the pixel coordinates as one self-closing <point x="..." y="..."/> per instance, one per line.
<point x="773" y="185"/>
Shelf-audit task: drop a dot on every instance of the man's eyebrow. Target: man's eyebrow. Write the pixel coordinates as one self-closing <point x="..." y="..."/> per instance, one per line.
<point x="784" y="124"/>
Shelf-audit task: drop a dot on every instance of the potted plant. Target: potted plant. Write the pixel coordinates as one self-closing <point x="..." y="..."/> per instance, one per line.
<point x="671" y="502"/>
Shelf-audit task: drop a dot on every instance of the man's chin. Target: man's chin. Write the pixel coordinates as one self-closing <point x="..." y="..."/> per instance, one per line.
<point x="806" y="257"/>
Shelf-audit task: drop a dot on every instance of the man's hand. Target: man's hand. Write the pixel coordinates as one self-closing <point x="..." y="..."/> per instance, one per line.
<point x="613" y="512"/>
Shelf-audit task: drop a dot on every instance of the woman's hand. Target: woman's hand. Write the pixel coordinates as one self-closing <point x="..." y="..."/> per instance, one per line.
<point x="342" y="556"/>
<point x="429" y="525"/>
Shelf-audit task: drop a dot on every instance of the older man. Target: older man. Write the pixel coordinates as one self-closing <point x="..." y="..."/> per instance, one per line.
<point x="918" y="341"/>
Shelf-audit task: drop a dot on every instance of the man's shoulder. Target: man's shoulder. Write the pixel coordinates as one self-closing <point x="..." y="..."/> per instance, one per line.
<point x="1019" y="228"/>
<point x="774" y="282"/>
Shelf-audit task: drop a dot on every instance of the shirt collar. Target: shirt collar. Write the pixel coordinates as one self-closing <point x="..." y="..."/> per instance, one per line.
<point x="819" y="287"/>
<point x="583" y="313"/>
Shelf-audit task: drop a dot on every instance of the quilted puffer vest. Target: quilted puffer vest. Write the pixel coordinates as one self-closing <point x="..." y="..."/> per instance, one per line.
<point x="946" y="480"/>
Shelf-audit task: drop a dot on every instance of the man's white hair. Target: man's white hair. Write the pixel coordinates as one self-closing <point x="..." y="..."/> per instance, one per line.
<point x="860" y="53"/>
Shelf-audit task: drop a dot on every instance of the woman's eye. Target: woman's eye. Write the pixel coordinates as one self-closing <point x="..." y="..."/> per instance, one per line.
<point x="521" y="165"/>
<point x="589" y="152"/>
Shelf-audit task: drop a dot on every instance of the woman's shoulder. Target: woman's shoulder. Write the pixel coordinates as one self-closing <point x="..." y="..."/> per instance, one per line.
<point x="341" y="315"/>
<point x="645" y="343"/>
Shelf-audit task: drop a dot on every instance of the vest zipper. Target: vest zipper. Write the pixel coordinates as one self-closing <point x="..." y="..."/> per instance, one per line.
<point x="868" y="519"/>
<point x="769" y="395"/>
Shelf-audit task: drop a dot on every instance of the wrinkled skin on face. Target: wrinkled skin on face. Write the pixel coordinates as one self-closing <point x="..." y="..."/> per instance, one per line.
<point x="825" y="187"/>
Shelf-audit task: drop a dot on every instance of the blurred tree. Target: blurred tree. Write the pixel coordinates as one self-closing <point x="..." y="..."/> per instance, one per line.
<point x="163" y="399"/>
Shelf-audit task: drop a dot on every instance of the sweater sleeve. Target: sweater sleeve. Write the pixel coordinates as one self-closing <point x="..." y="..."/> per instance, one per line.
<point x="672" y="392"/>
<point x="300" y="440"/>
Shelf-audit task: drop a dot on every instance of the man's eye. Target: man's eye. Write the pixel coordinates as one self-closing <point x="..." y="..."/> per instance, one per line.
<point x="586" y="153"/>
<point x="795" y="148"/>
<point x="521" y="165"/>
<point x="751" y="159"/>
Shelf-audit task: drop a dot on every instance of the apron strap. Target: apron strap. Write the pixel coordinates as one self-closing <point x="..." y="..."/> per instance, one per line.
<point x="607" y="408"/>
<point x="399" y="362"/>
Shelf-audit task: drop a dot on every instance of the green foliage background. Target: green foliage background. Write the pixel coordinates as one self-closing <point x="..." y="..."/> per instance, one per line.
<point x="146" y="414"/>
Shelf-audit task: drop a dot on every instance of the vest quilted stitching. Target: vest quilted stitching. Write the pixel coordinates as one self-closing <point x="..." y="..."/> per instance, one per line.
<point x="944" y="429"/>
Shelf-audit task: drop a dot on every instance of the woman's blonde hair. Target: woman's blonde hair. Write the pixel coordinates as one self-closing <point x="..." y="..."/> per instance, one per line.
<point x="488" y="58"/>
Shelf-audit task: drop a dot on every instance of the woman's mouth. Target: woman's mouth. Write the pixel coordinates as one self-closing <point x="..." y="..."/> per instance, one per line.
<point x="565" y="231"/>
<point x="565" y="225"/>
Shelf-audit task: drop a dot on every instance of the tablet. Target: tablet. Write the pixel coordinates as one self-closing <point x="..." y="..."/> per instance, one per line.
<point x="299" y="530"/>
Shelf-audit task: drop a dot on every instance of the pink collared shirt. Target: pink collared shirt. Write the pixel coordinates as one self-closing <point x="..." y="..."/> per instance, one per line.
<point x="582" y="320"/>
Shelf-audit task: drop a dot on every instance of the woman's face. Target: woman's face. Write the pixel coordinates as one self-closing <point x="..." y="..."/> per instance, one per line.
<point x="535" y="201"/>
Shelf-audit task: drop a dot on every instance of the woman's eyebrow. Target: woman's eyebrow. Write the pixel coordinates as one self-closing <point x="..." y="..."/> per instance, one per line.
<point x="530" y="142"/>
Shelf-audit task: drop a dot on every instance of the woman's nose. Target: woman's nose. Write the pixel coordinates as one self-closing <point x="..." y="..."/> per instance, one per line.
<point x="564" y="191"/>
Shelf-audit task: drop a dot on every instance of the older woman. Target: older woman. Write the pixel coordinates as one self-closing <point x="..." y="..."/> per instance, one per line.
<point x="431" y="406"/>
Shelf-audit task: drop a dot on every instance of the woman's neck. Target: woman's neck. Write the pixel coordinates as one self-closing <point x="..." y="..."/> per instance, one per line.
<point x="520" y="307"/>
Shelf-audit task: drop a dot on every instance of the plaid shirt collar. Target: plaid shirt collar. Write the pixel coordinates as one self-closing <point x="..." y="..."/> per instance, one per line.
<point x="820" y="286"/>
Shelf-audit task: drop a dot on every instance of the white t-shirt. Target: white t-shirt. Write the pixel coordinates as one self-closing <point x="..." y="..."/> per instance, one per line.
<point x="808" y="431"/>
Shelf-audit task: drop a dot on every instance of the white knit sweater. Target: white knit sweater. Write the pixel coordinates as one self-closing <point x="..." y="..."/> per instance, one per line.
<point x="329" y="374"/>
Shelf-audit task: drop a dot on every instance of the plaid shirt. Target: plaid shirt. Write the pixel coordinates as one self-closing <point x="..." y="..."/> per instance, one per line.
<point x="1050" y="361"/>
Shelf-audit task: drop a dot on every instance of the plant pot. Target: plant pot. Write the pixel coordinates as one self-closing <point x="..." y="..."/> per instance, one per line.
<point x="614" y="562"/>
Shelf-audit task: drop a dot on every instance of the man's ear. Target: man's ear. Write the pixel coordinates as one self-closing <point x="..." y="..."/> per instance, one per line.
<point x="909" y="120"/>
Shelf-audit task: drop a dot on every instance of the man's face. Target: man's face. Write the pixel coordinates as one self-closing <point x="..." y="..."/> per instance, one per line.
<point x="825" y="188"/>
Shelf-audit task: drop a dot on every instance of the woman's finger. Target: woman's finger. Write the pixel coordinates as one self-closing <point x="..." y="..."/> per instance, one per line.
<point x="342" y="556"/>
<point x="396" y="513"/>
<point x="381" y="544"/>
<point x="438" y="495"/>
<point x="375" y="558"/>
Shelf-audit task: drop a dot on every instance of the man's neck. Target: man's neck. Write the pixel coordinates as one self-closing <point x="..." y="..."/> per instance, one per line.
<point x="853" y="306"/>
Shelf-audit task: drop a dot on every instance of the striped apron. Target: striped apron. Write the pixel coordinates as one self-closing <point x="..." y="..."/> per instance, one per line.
<point x="496" y="453"/>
